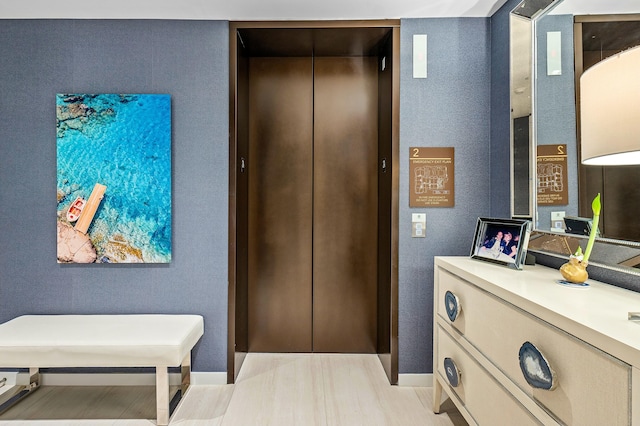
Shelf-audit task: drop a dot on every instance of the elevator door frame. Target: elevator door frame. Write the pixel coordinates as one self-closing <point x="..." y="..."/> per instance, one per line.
<point x="237" y="312"/>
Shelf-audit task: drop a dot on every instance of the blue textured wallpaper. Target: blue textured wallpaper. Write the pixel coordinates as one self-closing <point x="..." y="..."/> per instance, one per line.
<point x="555" y="108"/>
<point x="189" y="61"/>
<point x="500" y="112"/>
<point x="450" y="108"/>
<point x="454" y="107"/>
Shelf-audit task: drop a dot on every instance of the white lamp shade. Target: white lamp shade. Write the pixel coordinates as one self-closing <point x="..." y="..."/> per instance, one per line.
<point x="610" y="111"/>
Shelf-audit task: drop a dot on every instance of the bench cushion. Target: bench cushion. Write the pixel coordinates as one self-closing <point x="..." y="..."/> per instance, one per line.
<point x="98" y="340"/>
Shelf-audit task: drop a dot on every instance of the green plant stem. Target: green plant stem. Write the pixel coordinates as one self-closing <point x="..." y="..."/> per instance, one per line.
<point x="592" y="238"/>
<point x="595" y="206"/>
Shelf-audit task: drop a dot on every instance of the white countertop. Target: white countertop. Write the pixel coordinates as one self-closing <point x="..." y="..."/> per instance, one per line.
<point x="597" y="314"/>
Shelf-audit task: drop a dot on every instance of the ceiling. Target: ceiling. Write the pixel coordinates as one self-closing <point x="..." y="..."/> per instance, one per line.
<point x="596" y="7"/>
<point x="237" y="10"/>
<point x="283" y="9"/>
<point x="247" y="9"/>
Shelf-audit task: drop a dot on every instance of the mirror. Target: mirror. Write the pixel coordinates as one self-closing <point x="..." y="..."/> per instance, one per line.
<point x="591" y="39"/>
<point x="548" y="182"/>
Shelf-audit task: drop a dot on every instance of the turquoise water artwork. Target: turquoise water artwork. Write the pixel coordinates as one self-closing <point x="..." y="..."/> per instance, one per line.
<point x="113" y="178"/>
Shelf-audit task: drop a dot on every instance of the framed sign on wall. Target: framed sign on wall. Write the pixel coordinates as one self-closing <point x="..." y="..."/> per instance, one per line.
<point x="431" y="177"/>
<point x="552" y="177"/>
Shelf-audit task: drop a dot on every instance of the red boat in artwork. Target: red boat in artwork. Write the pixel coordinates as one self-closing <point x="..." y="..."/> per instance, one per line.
<point x="75" y="209"/>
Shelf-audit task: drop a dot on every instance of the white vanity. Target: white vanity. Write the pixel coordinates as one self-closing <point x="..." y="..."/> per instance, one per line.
<point x="494" y="324"/>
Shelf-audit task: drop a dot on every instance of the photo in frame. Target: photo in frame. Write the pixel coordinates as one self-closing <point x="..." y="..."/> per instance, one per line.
<point x="501" y="241"/>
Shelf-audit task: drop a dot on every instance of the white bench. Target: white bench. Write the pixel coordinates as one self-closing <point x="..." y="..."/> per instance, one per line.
<point x="160" y="341"/>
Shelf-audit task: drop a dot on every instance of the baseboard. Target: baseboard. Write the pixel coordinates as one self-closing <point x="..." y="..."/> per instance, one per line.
<point x="124" y="379"/>
<point x="416" y="380"/>
<point x="209" y="378"/>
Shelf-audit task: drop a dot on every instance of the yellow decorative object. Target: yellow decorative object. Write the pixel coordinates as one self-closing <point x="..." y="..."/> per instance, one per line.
<point x="575" y="270"/>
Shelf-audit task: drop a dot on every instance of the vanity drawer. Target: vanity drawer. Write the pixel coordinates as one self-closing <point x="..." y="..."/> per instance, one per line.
<point x="486" y="401"/>
<point x="593" y="388"/>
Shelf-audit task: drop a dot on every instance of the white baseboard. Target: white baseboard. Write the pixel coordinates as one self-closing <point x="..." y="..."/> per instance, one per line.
<point x="208" y="378"/>
<point x="124" y="379"/>
<point x="416" y="380"/>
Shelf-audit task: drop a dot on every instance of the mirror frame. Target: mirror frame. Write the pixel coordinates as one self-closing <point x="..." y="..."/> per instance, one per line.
<point x="521" y="116"/>
<point x="522" y="64"/>
<point x="604" y="264"/>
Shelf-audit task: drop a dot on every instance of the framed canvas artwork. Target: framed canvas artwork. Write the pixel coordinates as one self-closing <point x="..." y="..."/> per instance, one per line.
<point x="113" y="178"/>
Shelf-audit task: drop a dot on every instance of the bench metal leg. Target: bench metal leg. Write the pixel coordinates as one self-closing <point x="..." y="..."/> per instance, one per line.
<point x="162" y="395"/>
<point x="185" y="369"/>
<point x="17" y="393"/>
<point x="166" y="405"/>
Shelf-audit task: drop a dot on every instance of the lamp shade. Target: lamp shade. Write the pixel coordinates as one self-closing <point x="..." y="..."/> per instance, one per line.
<point x="610" y="111"/>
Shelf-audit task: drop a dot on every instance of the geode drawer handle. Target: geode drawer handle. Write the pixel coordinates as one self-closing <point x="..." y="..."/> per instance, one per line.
<point x="452" y="305"/>
<point x="535" y="368"/>
<point x="452" y="372"/>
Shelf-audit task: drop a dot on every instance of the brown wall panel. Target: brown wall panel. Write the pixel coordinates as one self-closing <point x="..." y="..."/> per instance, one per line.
<point x="242" y="208"/>
<point x="345" y="205"/>
<point x="621" y="202"/>
<point x="280" y="202"/>
<point x="384" y="197"/>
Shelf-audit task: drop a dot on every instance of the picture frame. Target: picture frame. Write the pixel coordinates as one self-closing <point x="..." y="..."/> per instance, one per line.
<point x="501" y="241"/>
<point x="113" y="178"/>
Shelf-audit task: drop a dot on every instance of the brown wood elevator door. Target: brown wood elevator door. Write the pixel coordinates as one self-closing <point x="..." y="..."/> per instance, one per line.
<point x="312" y="205"/>
<point x="345" y="205"/>
<point x="280" y="204"/>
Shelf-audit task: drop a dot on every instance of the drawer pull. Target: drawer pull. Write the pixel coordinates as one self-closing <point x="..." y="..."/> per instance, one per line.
<point x="452" y="305"/>
<point x="453" y="374"/>
<point x="536" y="368"/>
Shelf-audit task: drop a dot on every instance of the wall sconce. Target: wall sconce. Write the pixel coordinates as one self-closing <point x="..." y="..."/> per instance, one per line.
<point x="419" y="56"/>
<point x="554" y="53"/>
<point x="610" y="111"/>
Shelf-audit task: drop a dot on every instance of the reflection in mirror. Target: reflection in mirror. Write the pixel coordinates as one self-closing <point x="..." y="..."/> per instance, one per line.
<point x="553" y="191"/>
<point x="521" y="30"/>
<point x="609" y="105"/>
<point x="555" y="123"/>
<point x="624" y="256"/>
<point x="521" y="104"/>
<point x="600" y="38"/>
<point x="595" y="37"/>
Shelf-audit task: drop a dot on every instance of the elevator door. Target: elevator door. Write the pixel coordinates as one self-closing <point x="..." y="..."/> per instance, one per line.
<point x="312" y="284"/>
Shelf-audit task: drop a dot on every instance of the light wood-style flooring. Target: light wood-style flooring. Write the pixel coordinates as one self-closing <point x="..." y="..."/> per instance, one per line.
<point x="272" y="389"/>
